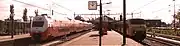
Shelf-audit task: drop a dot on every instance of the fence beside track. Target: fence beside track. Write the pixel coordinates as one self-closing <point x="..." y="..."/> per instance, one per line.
<point x="19" y="27"/>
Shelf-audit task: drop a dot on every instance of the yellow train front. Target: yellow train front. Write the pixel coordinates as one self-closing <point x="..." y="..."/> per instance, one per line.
<point x="45" y="28"/>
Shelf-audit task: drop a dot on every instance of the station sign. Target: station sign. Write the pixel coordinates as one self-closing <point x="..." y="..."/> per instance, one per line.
<point x="92" y="5"/>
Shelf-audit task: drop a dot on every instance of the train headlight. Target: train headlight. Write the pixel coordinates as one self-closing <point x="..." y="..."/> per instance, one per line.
<point x="37" y="31"/>
<point x="134" y="32"/>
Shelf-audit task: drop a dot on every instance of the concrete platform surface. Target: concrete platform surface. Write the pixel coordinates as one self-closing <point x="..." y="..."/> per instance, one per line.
<point x="7" y="38"/>
<point x="92" y="39"/>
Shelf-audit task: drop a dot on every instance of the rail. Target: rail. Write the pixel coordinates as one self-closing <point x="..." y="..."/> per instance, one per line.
<point x="162" y="41"/>
<point x="166" y="42"/>
<point x="166" y="36"/>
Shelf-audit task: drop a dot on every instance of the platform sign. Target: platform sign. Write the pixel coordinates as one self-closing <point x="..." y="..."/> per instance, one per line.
<point x="92" y="5"/>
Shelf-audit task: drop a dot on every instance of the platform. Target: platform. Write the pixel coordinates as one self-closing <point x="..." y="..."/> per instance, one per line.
<point x="92" y="39"/>
<point x="8" y="38"/>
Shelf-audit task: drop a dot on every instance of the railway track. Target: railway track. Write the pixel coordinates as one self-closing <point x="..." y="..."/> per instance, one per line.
<point x="153" y="41"/>
<point x="159" y="42"/>
<point x="61" y="40"/>
<point x="29" y="42"/>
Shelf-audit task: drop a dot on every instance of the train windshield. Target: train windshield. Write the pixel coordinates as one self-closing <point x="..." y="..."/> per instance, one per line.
<point x="137" y="21"/>
<point x="38" y="24"/>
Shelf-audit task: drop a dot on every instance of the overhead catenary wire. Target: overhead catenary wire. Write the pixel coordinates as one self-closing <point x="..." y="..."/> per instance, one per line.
<point x="61" y="6"/>
<point x="37" y="6"/>
<point x="145" y="5"/>
<point x="165" y="8"/>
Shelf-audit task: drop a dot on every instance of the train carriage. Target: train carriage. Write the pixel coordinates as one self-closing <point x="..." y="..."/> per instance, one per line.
<point x="44" y="28"/>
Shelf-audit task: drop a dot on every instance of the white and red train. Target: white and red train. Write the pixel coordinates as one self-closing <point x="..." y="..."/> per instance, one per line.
<point x="44" y="28"/>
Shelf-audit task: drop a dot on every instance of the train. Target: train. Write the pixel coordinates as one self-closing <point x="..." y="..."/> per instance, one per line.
<point x="136" y="28"/>
<point x="45" y="28"/>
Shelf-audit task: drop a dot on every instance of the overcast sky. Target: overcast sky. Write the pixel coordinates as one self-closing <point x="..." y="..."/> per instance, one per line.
<point x="158" y="9"/>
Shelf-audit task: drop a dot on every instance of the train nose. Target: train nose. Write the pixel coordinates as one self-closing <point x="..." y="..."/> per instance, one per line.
<point x="140" y="35"/>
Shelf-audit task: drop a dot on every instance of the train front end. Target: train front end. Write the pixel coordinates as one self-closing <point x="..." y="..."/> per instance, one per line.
<point x="139" y="32"/>
<point x="137" y="29"/>
<point x="39" y="26"/>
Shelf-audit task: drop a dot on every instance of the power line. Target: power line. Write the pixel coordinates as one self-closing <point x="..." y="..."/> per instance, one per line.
<point x="30" y="4"/>
<point x="161" y="9"/>
<point x="61" y="6"/>
<point x="164" y="8"/>
<point x="145" y="5"/>
<point x="37" y="6"/>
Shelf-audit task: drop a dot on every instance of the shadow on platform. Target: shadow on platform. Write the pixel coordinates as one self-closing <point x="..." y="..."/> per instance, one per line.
<point x="94" y="35"/>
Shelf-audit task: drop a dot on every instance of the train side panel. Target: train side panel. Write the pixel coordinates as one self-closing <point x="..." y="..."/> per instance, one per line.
<point x="48" y="28"/>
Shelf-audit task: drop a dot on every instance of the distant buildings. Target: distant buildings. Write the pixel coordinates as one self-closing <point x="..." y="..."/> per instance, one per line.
<point x="155" y="23"/>
<point x="104" y="19"/>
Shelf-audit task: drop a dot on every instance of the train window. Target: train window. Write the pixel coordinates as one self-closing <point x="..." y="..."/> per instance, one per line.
<point x="38" y="24"/>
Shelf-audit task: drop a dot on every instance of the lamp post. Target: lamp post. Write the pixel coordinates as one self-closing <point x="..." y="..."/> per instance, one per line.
<point x="100" y="25"/>
<point x="124" y="22"/>
<point x="174" y="17"/>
